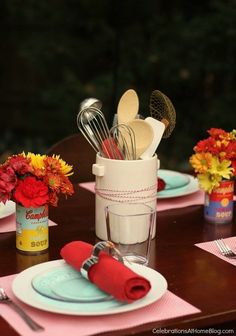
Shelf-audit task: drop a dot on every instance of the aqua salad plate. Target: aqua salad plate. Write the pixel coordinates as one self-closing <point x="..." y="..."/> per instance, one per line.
<point x="177" y="184"/>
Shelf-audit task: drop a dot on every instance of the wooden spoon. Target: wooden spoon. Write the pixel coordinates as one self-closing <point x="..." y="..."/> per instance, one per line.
<point x="127" y="107"/>
<point x="144" y="134"/>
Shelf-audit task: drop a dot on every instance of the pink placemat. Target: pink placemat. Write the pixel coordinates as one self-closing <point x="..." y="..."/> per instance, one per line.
<point x="8" y="224"/>
<point x="212" y="248"/>
<point x="169" y="306"/>
<point x="196" y="198"/>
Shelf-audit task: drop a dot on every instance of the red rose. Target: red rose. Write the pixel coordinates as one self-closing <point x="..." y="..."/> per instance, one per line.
<point x="31" y="192"/>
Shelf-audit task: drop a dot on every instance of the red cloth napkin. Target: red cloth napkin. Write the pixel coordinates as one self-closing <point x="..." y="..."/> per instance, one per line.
<point x="108" y="274"/>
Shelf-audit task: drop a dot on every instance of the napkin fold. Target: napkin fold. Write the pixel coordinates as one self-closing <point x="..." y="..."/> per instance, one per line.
<point x="108" y="274"/>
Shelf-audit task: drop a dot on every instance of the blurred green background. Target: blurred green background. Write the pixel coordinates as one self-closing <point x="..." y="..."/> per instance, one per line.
<point x="56" y="53"/>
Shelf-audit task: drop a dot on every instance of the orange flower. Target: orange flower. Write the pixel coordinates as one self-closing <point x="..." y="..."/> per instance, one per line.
<point x="214" y="158"/>
<point x="201" y="162"/>
<point x="34" y="179"/>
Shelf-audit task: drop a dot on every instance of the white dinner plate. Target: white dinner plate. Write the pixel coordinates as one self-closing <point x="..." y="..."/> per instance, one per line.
<point x="189" y="184"/>
<point x="23" y="290"/>
<point x="7" y="209"/>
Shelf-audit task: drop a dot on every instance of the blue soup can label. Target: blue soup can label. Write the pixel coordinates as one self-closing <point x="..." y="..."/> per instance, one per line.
<point x="219" y="203"/>
<point x="32" y="229"/>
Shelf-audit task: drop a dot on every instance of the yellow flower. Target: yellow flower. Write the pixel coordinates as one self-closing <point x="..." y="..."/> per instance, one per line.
<point x="221" y="168"/>
<point x="65" y="168"/>
<point x="233" y="134"/>
<point x="201" y="162"/>
<point x="37" y="160"/>
<point x="208" y="181"/>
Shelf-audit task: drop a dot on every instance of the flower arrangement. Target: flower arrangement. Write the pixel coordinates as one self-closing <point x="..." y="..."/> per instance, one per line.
<point x="33" y="180"/>
<point x="215" y="158"/>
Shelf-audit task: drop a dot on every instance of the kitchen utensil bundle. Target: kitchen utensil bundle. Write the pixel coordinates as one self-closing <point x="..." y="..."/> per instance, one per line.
<point x="130" y="138"/>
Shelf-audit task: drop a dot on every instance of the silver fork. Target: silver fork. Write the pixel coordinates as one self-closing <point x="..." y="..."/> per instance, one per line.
<point x="31" y="323"/>
<point x="225" y="249"/>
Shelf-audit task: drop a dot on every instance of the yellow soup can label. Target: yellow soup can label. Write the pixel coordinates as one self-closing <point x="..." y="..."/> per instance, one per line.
<point x="32" y="229"/>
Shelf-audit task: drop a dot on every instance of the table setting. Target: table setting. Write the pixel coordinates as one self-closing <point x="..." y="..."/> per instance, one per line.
<point x="41" y="287"/>
<point x="135" y="259"/>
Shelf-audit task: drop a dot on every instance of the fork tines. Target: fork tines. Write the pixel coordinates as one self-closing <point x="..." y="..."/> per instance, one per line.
<point x="225" y="249"/>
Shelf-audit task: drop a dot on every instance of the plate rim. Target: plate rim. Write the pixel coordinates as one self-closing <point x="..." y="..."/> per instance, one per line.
<point x="22" y="289"/>
<point x="188" y="189"/>
<point x="12" y="209"/>
<point x="176" y="173"/>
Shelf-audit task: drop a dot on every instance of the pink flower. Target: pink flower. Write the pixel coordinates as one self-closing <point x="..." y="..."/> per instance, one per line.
<point x="20" y="164"/>
<point x="8" y="178"/>
<point x="8" y="182"/>
<point x="4" y="195"/>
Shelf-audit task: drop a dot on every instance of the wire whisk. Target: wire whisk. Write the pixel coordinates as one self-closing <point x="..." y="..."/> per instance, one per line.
<point x="92" y="124"/>
<point x="125" y="139"/>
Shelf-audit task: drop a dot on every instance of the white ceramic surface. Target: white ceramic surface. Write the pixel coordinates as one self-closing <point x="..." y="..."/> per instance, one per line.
<point x="123" y="181"/>
<point x="7" y="209"/>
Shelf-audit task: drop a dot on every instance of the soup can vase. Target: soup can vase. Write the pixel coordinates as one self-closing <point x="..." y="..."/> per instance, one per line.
<point x="218" y="207"/>
<point x="123" y="181"/>
<point x="32" y="229"/>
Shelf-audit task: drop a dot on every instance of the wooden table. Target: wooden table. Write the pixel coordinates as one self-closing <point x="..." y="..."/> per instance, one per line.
<point x="196" y="276"/>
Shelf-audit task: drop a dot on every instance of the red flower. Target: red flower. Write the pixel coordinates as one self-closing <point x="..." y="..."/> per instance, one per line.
<point x="231" y="151"/>
<point x="206" y="145"/>
<point x="160" y="184"/>
<point x="4" y="195"/>
<point x="31" y="192"/>
<point x="8" y="181"/>
<point x="8" y="178"/>
<point x="217" y="133"/>
<point x="233" y="163"/>
<point x="20" y="164"/>
<point x="53" y="198"/>
<point x="66" y="186"/>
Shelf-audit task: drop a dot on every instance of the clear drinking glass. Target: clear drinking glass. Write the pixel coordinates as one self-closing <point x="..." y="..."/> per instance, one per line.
<point x="130" y="229"/>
